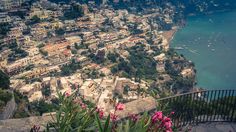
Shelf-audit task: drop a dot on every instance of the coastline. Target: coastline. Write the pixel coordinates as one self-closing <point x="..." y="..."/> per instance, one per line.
<point x="169" y="35"/>
<point x="211" y="74"/>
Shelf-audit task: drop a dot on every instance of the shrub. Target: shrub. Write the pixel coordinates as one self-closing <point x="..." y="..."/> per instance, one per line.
<point x="4" y="80"/>
<point x="75" y="114"/>
<point x="5" y="96"/>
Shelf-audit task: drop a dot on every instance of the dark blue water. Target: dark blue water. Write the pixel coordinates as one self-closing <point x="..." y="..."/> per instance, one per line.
<point x="210" y="42"/>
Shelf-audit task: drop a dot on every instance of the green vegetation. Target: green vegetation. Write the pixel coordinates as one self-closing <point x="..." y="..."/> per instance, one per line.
<point x="34" y="20"/>
<point x="139" y="65"/>
<point x="71" y="68"/>
<point x="45" y="53"/>
<point x="112" y="57"/>
<point x="144" y="64"/>
<point x="174" y="68"/>
<point x="75" y="12"/>
<point x="22" y="105"/>
<point x="126" y="89"/>
<point x="76" y="46"/>
<point x="29" y="67"/>
<point x="40" y="45"/>
<point x="98" y="58"/>
<point x="5" y="95"/>
<point x="133" y="27"/>
<point x="60" y="31"/>
<point x="46" y="91"/>
<point x="40" y="107"/>
<point x="4" y="80"/>
<point x="75" y="114"/>
<point x="17" y="53"/>
<point x="73" y="51"/>
<point x="4" y="28"/>
<point x="36" y="108"/>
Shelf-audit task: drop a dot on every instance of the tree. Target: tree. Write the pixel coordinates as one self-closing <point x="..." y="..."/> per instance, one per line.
<point x="93" y="74"/>
<point x="76" y="46"/>
<point x="5" y="96"/>
<point x="4" y="28"/>
<point x="68" y="47"/>
<point x="45" y="53"/>
<point x="73" y="51"/>
<point x="112" y="57"/>
<point x="13" y="45"/>
<point x="71" y="68"/>
<point x="60" y="31"/>
<point x="40" y="45"/>
<point x="41" y="107"/>
<point x="46" y="91"/>
<point x="101" y="45"/>
<point x="35" y="19"/>
<point x="75" y="12"/>
<point x="126" y="89"/>
<point x="4" y="80"/>
<point x="114" y="69"/>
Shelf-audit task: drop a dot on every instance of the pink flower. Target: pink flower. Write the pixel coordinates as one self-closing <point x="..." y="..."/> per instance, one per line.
<point x="169" y="130"/>
<point x="120" y="106"/>
<point x="35" y="128"/>
<point x="133" y="117"/>
<point x="67" y="94"/>
<point x="172" y="113"/>
<point x="166" y="119"/>
<point x="157" y="116"/>
<point x="113" y="117"/>
<point x="82" y="105"/>
<point x="167" y="123"/>
<point x="100" y="113"/>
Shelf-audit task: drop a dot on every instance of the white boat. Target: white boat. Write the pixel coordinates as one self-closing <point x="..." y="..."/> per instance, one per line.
<point x="178" y="48"/>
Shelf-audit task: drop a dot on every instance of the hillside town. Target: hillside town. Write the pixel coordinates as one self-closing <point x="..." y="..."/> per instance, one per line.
<point x="108" y="55"/>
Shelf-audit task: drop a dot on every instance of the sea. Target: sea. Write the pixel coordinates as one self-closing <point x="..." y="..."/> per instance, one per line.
<point x="210" y="42"/>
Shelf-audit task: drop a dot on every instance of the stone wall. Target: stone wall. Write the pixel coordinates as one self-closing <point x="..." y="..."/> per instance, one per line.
<point x="8" y="110"/>
<point x="24" y="124"/>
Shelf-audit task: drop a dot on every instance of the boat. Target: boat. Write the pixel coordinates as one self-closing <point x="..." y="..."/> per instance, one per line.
<point x="178" y="48"/>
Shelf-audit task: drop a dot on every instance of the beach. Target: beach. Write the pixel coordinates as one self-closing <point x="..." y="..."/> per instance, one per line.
<point x="169" y="35"/>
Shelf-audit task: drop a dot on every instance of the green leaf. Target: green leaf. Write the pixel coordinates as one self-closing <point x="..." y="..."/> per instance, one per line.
<point x="98" y="123"/>
<point x="120" y="128"/>
<point x="106" y="127"/>
<point x="149" y="120"/>
<point x="127" y="126"/>
<point x="90" y="129"/>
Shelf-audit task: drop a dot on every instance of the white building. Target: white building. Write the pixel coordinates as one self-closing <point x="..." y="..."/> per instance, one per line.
<point x="10" y="4"/>
<point x="4" y="18"/>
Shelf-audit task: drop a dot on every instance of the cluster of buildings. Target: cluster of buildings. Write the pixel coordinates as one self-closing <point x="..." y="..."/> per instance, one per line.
<point x="105" y="92"/>
<point x="35" y="91"/>
<point x="52" y="41"/>
<point x="10" y="4"/>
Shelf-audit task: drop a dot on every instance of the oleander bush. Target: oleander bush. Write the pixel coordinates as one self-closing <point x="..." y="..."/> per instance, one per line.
<point x="76" y="114"/>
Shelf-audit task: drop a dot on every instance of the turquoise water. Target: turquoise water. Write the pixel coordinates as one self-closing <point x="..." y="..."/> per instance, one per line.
<point x="210" y="42"/>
